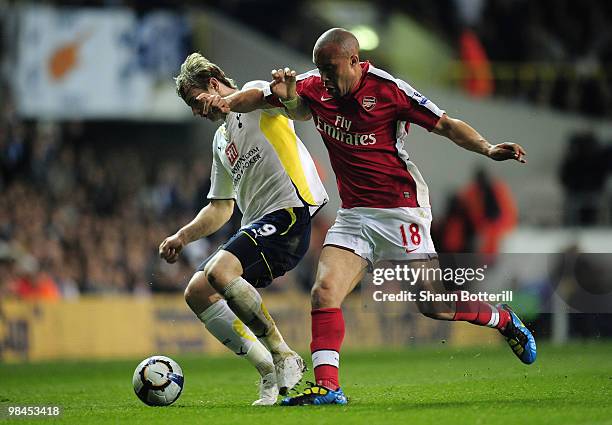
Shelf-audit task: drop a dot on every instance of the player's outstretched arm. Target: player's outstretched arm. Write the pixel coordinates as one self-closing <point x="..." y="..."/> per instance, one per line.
<point x="242" y="101"/>
<point x="283" y="85"/>
<point x="208" y="221"/>
<point x="248" y="100"/>
<point x="465" y="136"/>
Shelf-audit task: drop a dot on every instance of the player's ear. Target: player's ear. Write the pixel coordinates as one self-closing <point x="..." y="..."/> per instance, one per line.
<point x="213" y="83"/>
<point x="354" y="60"/>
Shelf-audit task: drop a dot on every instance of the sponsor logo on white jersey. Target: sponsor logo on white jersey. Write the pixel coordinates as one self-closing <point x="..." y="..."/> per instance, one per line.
<point x="242" y="163"/>
<point x="232" y="153"/>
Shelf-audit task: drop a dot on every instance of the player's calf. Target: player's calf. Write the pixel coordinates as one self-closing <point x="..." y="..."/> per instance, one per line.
<point x="434" y="309"/>
<point x="327" y="332"/>
<point x="327" y="336"/>
<point x="338" y="272"/>
<point x="214" y="312"/>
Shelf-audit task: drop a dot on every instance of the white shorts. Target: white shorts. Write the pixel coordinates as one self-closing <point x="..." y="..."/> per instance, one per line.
<point x="378" y="234"/>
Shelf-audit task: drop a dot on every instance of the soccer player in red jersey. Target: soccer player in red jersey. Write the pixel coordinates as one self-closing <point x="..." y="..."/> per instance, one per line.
<point x="363" y="115"/>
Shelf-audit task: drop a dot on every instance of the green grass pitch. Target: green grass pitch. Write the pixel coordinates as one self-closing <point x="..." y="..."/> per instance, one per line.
<point x="434" y="385"/>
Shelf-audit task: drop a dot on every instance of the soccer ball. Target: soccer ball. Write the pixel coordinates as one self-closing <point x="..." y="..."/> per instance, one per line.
<point x="158" y="381"/>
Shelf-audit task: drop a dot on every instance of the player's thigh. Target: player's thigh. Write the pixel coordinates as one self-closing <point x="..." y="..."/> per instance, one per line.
<point x="273" y="245"/>
<point x="200" y="294"/>
<point x="286" y="240"/>
<point x="338" y="272"/>
<point x="347" y="233"/>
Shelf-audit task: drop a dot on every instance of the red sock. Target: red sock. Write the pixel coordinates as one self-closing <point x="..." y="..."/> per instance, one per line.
<point x="327" y="336"/>
<point x="480" y="313"/>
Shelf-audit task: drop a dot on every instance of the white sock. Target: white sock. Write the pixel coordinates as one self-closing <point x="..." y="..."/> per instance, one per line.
<point x="224" y="325"/>
<point x="245" y="301"/>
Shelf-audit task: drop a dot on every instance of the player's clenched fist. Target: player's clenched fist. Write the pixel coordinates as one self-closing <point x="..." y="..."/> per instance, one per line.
<point x="507" y="150"/>
<point x="171" y="248"/>
<point x="210" y="102"/>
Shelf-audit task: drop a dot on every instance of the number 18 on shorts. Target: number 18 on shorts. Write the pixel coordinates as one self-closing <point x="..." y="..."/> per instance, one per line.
<point x="384" y="234"/>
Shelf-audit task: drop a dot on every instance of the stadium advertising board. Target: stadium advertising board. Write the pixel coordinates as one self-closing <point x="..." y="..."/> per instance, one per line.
<point x="98" y="63"/>
<point x="124" y="327"/>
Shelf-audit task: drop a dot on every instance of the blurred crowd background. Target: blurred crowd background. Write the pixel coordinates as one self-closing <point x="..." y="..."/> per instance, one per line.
<point x="86" y="200"/>
<point x="80" y="214"/>
<point x="550" y="52"/>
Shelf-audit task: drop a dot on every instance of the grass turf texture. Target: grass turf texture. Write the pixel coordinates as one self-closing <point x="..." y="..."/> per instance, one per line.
<point x="435" y="385"/>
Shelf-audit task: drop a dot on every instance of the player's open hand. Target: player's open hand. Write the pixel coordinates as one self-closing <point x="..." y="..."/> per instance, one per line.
<point x="507" y="150"/>
<point x="210" y="102"/>
<point x="171" y="248"/>
<point x="283" y="84"/>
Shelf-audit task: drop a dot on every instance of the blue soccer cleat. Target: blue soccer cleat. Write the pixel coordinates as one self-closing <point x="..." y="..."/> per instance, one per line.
<point x="316" y="395"/>
<point x="519" y="337"/>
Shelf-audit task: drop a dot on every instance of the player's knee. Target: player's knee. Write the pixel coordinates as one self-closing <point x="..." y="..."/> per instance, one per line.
<point x="325" y="295"/>
<point x="219" y="273"/>
<point x="188" y="294"/>
<point x="214" y="274"/>
<point x="192" y="289"/>
<point x="198" y="293"/>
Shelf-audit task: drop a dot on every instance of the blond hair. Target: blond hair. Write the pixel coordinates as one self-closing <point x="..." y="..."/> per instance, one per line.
<point x="197" y="71"/>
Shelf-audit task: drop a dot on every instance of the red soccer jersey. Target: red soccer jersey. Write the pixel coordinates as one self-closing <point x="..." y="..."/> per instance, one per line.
<point x="364" y="133"/>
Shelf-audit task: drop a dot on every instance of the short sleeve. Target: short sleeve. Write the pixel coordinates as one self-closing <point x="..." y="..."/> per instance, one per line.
<point x="221" y="186"/>
<point x="413" y="107"/>
<point x="270" y="98"/>
<point x="303" y="88"/>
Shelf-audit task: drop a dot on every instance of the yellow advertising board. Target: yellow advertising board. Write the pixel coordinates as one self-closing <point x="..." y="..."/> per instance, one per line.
<point x="125" y="327"/>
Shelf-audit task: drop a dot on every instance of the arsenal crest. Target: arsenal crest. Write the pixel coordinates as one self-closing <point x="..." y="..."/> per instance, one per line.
<point x="368" y="103"/>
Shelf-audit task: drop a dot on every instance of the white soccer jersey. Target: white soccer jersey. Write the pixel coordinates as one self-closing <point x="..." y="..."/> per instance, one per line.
<point x="259" y="161"/>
